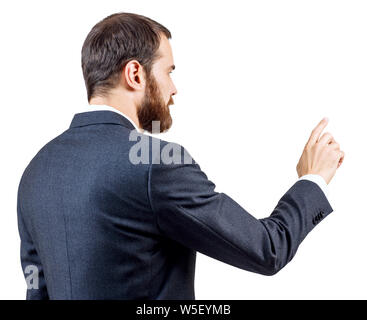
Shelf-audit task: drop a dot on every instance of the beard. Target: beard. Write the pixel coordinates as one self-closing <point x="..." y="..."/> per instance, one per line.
<point x="153" y="108"/>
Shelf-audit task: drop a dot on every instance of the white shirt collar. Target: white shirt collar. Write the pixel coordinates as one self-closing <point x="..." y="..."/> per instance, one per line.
<point x="103" y="107"/>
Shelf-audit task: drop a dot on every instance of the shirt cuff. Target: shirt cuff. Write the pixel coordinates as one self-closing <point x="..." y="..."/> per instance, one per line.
<point x="319" y="180"/>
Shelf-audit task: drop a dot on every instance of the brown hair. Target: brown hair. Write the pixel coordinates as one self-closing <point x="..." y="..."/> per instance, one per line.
<point x="112" y="43"/>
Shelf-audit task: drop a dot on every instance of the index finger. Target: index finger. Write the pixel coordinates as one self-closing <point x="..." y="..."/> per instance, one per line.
<point x="315" y="134"/>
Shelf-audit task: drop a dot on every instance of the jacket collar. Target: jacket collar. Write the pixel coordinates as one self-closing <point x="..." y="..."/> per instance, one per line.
<point x="98" y="117"/>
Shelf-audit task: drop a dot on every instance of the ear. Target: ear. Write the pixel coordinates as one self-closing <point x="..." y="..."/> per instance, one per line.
<point x="134" y="75"/>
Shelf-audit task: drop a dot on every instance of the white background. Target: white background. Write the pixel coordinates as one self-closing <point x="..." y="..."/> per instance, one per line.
<point x="253" y="79"/>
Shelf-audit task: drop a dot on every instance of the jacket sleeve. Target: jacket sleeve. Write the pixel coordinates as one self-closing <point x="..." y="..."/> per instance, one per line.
<point x="189" y="210"/>
<point x="30" y="262"/>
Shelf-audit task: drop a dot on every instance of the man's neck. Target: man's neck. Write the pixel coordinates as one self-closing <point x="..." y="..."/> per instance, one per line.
<point x="125" y="108"/>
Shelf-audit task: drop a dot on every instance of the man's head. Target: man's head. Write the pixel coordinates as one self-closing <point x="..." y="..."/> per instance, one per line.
<point x="129" y="55"/>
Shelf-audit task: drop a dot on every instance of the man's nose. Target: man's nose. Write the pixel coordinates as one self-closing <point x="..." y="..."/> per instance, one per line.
<point x="174" y="90"/>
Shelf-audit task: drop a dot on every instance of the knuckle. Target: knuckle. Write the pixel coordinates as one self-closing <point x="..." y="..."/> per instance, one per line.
<point x="318" y="146"/>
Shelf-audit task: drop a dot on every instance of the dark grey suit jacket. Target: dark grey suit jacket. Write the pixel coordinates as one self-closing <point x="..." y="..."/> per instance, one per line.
<point x="97" y="226"/>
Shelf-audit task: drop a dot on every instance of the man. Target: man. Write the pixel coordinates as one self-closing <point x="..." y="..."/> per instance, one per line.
<point x="107" y="212"/>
